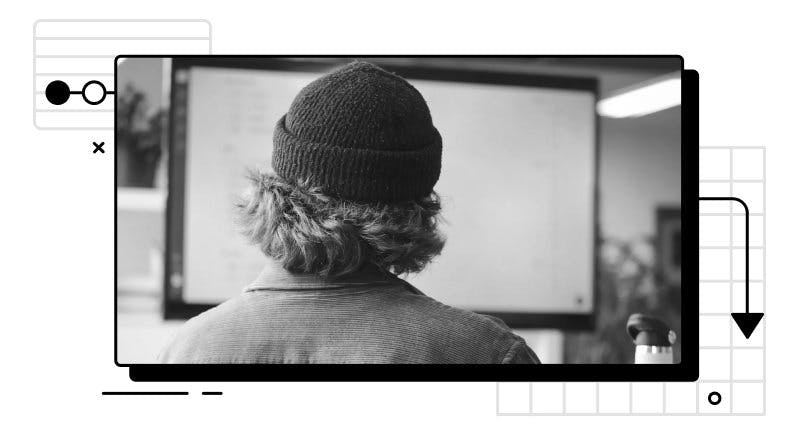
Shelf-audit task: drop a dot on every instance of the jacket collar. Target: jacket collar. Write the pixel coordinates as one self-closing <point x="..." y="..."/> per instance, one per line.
<point x="275" y="277"/>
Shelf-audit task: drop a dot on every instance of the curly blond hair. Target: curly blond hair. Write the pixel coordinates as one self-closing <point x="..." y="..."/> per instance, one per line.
<point x="307" y="231"/>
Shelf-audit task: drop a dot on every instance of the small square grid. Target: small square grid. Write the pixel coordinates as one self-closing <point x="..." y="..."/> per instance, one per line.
<point x="732" y="369"/>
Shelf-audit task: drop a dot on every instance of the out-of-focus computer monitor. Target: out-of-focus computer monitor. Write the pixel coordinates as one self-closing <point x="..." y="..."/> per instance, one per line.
<point x="518" y="185"/>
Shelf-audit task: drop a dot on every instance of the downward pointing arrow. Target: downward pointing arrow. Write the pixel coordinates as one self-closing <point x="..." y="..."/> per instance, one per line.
<point x="746" y="321"/>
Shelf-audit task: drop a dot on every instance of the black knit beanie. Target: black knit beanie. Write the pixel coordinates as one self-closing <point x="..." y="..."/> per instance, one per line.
<point x="360" y="133"/>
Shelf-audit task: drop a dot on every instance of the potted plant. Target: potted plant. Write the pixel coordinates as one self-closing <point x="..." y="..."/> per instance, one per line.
<point x="138" y="139"/>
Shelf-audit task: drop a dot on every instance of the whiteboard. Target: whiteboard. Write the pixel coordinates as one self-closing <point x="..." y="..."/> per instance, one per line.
<point x="517" y="186"/>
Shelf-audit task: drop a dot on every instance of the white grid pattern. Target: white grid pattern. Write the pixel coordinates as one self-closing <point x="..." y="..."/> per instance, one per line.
<point x="78" y="51"/>
<point x="729" y="364"/>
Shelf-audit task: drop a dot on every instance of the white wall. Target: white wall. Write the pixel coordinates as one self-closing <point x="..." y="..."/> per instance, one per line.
<point x="640" y="168"/>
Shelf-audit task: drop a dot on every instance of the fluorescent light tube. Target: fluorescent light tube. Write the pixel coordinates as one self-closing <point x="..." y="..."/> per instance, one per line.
<point x="647" y="98"/>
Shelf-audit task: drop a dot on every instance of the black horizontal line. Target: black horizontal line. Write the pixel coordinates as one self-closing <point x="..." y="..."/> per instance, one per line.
<point x="148" y="393"/>
<point x="213" y="393"/>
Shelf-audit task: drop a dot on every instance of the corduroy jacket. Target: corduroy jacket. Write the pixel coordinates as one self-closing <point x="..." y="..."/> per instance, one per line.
<point x="368" y="317"/>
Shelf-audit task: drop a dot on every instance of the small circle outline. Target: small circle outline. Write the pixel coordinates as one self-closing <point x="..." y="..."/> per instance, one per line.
<point x="714" y="394"/>
<point x="93" y="82"/>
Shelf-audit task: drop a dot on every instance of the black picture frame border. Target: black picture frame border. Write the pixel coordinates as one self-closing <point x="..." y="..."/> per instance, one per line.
<point x="686" y="370"/>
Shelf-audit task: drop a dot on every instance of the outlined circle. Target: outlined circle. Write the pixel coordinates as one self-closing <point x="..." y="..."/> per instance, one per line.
<point x="102" y="87"/>
<point x="57" y="92"/>
<point x="714" y="398"/>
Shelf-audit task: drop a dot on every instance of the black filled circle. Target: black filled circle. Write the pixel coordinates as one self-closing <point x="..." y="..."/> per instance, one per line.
<point x="714" y="398"/>
<point x="93" y="82"/>
<point x="57" y="92"/>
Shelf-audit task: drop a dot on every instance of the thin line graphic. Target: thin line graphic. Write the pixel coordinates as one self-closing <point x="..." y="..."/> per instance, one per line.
<point x="145" y="393"/>
<point x="120" y="38"/>
<point x="746" y="243"/>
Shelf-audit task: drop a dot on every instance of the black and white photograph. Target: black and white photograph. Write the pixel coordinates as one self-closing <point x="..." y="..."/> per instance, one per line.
<point x="398" y="210"/>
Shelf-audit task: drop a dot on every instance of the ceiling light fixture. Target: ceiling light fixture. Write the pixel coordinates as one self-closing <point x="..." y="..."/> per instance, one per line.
<point x="645" y="98"/>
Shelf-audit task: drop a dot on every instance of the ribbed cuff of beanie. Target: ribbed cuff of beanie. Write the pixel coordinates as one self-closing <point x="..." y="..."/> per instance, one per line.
<point x="366" y="175"/>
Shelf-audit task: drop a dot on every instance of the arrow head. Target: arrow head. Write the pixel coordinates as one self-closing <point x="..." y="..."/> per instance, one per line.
<point x="747" y="322"/>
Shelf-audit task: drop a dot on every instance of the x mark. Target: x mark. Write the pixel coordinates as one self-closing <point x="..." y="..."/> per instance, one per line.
<point x="99" y="147"/>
